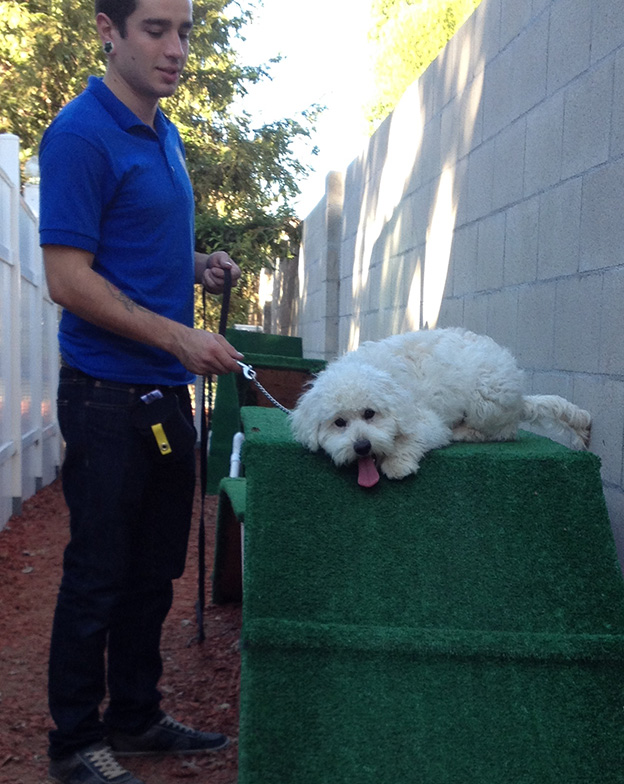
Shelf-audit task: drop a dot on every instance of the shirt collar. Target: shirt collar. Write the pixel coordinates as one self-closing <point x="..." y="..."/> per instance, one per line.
<point x="126" y="118"/>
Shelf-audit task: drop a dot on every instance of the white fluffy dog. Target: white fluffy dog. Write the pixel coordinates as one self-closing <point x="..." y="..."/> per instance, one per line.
<point x="391" y="401"/>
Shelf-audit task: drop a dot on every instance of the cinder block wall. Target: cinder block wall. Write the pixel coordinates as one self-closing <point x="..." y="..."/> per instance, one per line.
<point x="319" y="272"/>
<point x="492" y="199"/>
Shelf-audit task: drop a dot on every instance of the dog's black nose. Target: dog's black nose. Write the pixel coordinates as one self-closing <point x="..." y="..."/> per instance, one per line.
<point x="362" y="447"/>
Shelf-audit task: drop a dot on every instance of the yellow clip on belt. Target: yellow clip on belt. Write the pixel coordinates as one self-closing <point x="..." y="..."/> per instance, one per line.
<point x="161" y="439"/>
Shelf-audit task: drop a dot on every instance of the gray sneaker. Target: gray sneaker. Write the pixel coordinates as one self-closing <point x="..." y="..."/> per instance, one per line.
<point x="93" y="765"/>
<point x="167" y="736"/>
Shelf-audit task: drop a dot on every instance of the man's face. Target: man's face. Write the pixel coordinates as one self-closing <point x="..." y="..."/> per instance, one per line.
<point x="154" y="51"/>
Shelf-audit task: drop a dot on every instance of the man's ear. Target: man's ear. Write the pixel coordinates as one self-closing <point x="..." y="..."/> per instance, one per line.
<point x="106" y="29"/>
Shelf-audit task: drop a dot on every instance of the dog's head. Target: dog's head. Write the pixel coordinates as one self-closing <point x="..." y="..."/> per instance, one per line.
<point x="352" y="412"/>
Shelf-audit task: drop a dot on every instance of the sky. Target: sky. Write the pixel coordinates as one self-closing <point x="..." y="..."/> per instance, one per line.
<point x="324" y="61"/>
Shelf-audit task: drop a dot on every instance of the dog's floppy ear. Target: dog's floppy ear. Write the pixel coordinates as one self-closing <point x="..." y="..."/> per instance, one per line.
<point x="304" y="420"/>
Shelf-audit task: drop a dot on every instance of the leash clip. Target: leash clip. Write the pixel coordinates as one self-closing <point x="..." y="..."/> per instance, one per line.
<point x="248" y="371"/>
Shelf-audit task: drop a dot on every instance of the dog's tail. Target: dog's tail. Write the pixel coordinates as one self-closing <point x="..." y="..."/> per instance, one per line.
<point x="557" y="413"/>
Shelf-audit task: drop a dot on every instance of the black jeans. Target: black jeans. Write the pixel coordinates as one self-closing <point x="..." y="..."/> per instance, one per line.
<point x="130" y="514"/>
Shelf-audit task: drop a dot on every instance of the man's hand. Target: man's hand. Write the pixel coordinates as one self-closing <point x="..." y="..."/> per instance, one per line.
<point x="205" y="352"/>
<point x="209" y="270"/>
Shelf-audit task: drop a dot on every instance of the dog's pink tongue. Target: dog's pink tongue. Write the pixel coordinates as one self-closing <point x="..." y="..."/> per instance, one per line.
<point x="367" y="472"/>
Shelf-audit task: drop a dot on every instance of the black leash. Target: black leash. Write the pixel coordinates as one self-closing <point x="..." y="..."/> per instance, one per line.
<point x="205" y="425"/>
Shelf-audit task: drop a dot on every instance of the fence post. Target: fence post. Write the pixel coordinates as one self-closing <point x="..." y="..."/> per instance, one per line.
<point x="9" y="162"/>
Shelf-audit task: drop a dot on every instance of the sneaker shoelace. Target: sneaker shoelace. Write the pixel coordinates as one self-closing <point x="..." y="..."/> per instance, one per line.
<point x="104" y="762"/>
<point x="170" y="723"/>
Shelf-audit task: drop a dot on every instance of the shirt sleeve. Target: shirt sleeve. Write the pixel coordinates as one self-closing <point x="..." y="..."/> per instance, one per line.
<point x="76" y="183"/>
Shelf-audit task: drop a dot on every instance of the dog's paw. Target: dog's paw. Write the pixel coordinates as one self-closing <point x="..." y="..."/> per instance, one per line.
<point x="398" y="468"/>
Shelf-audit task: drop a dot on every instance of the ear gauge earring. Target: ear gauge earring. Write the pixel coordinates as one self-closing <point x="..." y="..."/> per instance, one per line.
<point x="108" y="47"/>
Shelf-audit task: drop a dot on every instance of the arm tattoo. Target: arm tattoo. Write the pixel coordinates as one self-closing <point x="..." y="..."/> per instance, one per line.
<point x="125" y="300"/>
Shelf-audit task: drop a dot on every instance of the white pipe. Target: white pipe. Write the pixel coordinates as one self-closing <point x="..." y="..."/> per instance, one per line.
<point x="235" y="457"/>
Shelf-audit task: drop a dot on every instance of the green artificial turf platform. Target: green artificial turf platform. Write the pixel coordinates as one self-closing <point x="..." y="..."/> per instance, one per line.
<point x="462" y="626"/>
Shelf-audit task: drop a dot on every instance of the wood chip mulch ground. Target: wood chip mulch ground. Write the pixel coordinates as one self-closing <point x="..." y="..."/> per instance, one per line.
<point x="200" y="683"/>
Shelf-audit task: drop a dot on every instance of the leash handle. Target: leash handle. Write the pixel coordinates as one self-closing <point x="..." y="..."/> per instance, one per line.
<point x="225" y="303"/>
<point x="206" y="404"/>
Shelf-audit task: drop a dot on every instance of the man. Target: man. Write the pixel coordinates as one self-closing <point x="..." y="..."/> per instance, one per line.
<point x="117" y="233"/>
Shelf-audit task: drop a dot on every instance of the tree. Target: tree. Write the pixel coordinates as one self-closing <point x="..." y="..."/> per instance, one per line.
<point x="406" y="36"/>
<point x="244" y="178"/>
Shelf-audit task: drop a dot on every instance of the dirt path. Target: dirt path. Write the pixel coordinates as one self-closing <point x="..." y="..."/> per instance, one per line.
<point x="200" y="682"/>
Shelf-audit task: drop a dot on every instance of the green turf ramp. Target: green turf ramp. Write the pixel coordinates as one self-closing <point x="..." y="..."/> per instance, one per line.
<point x="461" y="626"/>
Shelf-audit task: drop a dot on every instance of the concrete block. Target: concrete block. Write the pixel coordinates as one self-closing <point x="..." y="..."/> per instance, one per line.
<point x="544" y="145"/>
<point x="550" y="383"/>
<point x="348" y="249"/>
<point x="514" y="18"/>
<point x="498" y="101"/>
<point x="559" y="228"/>
<point x="607" y="27"/>
<point x="451" y="312"/>
<point x="536" y="326"/>
<point x="486" y="32"/>
<point x="377" y="152"/>
<point x="577" y="324"/>
<point x="569" y="41"/>
<point x="604" y="399"/>
<point x="397" y="275"/>
<point x="614" y="497"/>
<point x="428" y="162"/>
<point x="587" y="121"/>
<point x="427" y="92"/>
<point x="509" y="151"/>
<point x="460" y="191"/>
<point x="375" y="297"/>
<point x="346" y="296"/>
<point x="520" y="262"/>
<point x="346" y="334"/>
<point x="530" y="66"/>
<point x="491" y="252"/>
<point x="479" y="184"/>
<point x="411" y="282"/>
<point x="461" y="128"/>
<point x="464" y="259"/>
<point x="617" y="122"/>
<point x="612" y="343"/>
<point x="538" y="6"/>
<point x="465" y="56"/>
<point x="394" y="321"/>
<point x="475" y="313"/>
<point x="419" y="204"/>
<point x="406" y="226"/>
<point x="316" y="306"/>
<point x="354" y="190"/>
<point x="602" y="227"/>
<point x="502" y="317"/>
<point x="450" y="132"/>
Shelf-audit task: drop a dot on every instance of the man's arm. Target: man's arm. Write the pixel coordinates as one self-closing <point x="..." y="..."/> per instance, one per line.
<point x="74" y="285"/>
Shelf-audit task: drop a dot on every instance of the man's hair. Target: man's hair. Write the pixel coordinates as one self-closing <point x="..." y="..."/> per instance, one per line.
<point x="117" y="11"/>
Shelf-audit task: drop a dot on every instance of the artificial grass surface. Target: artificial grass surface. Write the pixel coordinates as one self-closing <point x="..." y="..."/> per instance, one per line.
<point x="462" y="625"/>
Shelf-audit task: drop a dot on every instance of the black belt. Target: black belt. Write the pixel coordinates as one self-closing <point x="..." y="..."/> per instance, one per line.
<point x="70" y="372"/>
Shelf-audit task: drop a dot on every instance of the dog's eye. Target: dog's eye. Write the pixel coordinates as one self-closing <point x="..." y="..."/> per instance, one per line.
<point x="340" y="422"/>
<point x="369" y="413"/>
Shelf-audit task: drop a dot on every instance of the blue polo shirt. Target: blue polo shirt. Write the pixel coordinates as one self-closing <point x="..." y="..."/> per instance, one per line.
<point x="113" y="186"/>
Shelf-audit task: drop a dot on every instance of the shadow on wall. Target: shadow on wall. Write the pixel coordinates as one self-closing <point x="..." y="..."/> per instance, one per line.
<point x="403" y="235"/>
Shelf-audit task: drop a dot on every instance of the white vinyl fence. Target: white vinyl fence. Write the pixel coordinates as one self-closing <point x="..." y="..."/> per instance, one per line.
<point x="30" y="442"/>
